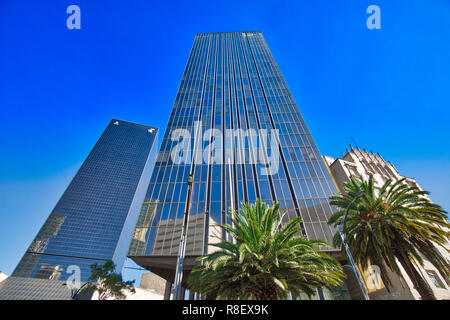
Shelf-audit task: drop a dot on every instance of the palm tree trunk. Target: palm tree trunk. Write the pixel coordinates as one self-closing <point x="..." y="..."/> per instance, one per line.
<point x="384" y="276"/>
<point x="419" y="282"/>
<point x="266" y="293"/>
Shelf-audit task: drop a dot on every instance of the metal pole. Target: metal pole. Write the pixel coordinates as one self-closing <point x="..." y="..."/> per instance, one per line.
<point x="178" y="290"/>
<point x="231" y="184"/>
<point x="352" y="262"/>
<point x="231" y="192"/>
<point x="347" y="249"/>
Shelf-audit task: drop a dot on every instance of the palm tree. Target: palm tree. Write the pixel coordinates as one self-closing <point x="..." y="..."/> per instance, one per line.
<point x="265" y="261"/>
<point x="107" y="282"/>
<point x="399" y="223"/>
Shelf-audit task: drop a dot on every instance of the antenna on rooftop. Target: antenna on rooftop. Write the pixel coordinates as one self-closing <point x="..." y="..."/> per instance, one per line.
<point x="354" y="143"/>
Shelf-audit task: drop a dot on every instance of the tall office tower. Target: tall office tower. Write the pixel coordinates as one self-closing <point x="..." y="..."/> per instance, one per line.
<point x="95" y="217"/>
<point x="233" y="116"/>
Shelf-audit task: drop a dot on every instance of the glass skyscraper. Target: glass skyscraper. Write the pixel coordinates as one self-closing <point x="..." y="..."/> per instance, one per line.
<point x="233" y="116"/>
<point x="94" y="219"/>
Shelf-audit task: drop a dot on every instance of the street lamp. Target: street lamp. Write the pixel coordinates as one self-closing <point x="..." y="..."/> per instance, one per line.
<point x="347" y="250"/>
<point x="182" y="248"/>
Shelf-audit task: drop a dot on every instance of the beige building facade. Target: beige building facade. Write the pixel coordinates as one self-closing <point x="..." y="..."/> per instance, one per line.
<point x="361" y="163"/>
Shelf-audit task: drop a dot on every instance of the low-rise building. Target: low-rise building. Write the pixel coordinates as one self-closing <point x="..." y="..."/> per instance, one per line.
<point x="151" y="287"/>
<point x="360" y="163"/>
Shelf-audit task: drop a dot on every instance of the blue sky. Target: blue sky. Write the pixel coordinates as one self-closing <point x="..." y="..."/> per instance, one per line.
<point x="388" y="88"/>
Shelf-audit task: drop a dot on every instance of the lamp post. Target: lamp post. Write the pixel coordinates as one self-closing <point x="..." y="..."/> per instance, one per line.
<point x="231" y="193"/>
<point x="178" y="290"/>
<point x="347" y="249"/>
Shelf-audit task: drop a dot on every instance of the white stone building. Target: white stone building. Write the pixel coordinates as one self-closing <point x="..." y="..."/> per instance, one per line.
<point x="360" y="163"/>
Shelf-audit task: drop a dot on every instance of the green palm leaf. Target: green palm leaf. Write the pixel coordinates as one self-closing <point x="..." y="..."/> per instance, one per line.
<point x="399" y="224"/>
<point x="267" y="261"/>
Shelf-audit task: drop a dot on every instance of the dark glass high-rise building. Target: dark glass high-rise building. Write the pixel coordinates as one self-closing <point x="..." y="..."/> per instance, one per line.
<point x="233" y="115"/>
<point x="94" y="219"/>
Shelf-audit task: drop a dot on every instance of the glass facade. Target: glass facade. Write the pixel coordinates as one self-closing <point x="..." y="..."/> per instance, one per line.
<point x="95" y="217"/>
<point x="231" y="94"/>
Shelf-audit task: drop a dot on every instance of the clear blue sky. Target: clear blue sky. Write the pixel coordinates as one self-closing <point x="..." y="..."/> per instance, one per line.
<point x="388" y="88"/>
